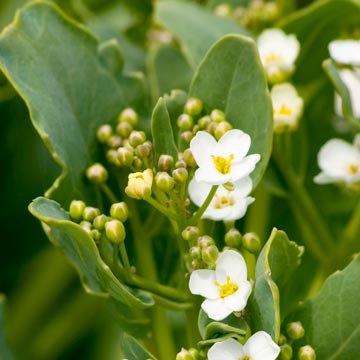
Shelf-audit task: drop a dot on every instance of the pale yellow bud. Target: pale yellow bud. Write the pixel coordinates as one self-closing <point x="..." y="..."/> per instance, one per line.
<point x="139" y="184"/>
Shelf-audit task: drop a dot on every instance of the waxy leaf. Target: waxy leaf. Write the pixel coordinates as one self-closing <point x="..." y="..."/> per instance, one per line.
<point x="231" y="78"/>
<point x="132" y="349"/>
<point x="5" y="353"/>
<point x="81" y="250"/>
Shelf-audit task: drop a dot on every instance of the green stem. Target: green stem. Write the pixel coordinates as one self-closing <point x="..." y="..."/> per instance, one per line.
<point x="109" y="193"/>
<point x="160" y="208"/>
<point x="124" y="257"/>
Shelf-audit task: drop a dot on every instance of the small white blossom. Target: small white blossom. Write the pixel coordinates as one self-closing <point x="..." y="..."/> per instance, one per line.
<point x="345" y="52"/>
<point x="260" y="346"/>
<point x="224" y="161"/>
<point x="278" y="53"/>
<point x="339" y="162"/>
<point x="226" y="205"/>
<point x="287" y="106"/>
<point x="226" y="288"/>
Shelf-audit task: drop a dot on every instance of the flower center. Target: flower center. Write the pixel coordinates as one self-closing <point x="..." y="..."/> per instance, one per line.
<point x="223" y="201"/>
<point x="222" y="164"/>
<point x="271" y="57"/>
<point x="227" y="289"/>
<point x="283" y="110"/>
<point x="353" y="169"/>
<point x="246" y="357"/>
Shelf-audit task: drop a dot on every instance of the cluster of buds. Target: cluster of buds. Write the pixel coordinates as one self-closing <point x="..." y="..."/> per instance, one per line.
<point x="191" y="354"/>
<point x="249" y="241"/>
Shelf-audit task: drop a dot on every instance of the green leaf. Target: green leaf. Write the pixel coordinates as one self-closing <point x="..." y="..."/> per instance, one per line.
<point x="277" y="261"/>
<point x="68" y="91"/>
<point x="196" y="27"/>
<point x="132" y="349"/>
<point x="233" y="3"/>
<point x="332" y="319"/>
<point x="80" y="249"/>
<point x="231" y="78"/>
<point x="5" y="353"/>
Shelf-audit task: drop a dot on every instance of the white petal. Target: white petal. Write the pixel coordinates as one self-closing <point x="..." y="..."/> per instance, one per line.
<point x="216" y="309"/>
<point x="243" y="187"/>
<point x="234" y="142"/>
<point x="198" y="191"/>
<point x="352" y="82"/>
<point x="238" y="210"/>
<point x="202" y="146"/>
<point x="211" y="176"/>
<point x="323" y="178"/>
<point x="244" y="167"/>
<point x="230" y="263"/>
<point x="345" y="51"/>
<point x="202" y="282"/>
<point x="229" y="349"/>
<point x="217" y="214"/>
<point x="238" y="300"/>
<point x="261" y="346"/>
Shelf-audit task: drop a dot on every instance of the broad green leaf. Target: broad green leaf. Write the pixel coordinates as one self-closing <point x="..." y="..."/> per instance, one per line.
<point x="132" y="349"/>
<point x="81" y="250"/>
<point x="332" y="319"/>
<point x="231" y="78"/>
<point x="68" y="91"/>
<point x="277" y="261"/>
<point x="5" y="353"/>
<point x="196" y="27"/>
<point x="233" y="3"/>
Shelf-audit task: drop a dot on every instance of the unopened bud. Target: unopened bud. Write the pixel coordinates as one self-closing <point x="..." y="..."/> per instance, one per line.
<point x="210" y="254"/>
<point x="184" y="355"/>
<point x="221" y="129"/>
<point x="217" y="116"/>
<point x="295" y="330"/>
<point x="180" y="164"/>
<point x="137" y="138"/>
<point x="104" y="133"/>
<point x="112" y="157"/>
<point x="114" y="141"/>
<point x="180" y="175"/>
<point x="124" y="129"/>
<point x="251" y="243"/>
<point x="100" y="221"/>
<point x="186" y="136"/>
<point x="144" y="150"/>
<point x="190" y="233"/>
<point x="204" y="122"/>
<point x="286" y="352"/>
<point x="76" y="210"/>
<point x="306" y="353"/>
<point x="282" y="339"/>
<point x="164" y="181"/>
<point x="115" y="231"/>
<point x="233" y="238"/>
<point x="165" y="162"/>
<point x="138" y="164"/>
<point x="97" y="174"/>
<point x="125" y="156"/>
<point x="95" y="234"/>
<point x="185" y="122"/>
<point x="139" y="184"/>
<point x="195" y="353"/>
<point x="119" y="211"/>
<point x="90" y="213"/>
<point x="130" y="116"/>
<point x="189" y="158"/>
<point x="223" y="10"/>
<point x="86" y="225"/>
<point x="211" y="127"/>
<point x="205" y="241"/>
<point x="195" y="252"/>
<point x="193" y="106"/>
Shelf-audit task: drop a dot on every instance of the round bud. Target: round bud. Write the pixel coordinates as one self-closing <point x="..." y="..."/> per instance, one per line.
<point x="251" y="243"/>
<point x="124" y="129"/>
<point x="164" y="181"/>
<point x="185" y="122"/>
<point x="180" y="164"/>
<point x="186" y="136"/>
<point x="217" y="116"/>
<point x="112" y="158"/>
<point x="130" y="116"/>
<point x="104" y="133"/>
<point x="184" y="355"/>
<point x="205" y="241"/>
<point x="286" y="352"/>
<point x="295" y="330"/>
<point x="180" y="175"/>
<point x="90" y="213"/>
<point x="114" y="141"/>
<point x="86" y="225"/>
<point x="221" y="129"/>
<point x="165" y="162"/>
<point x="115" y="231"/>
<point x="137" y="138"/>
<point x="189" y="158"/>
<point x="210" y="254"/>
<point x="125" y="156"/>
<point x="97" y="174"/>
<point x="211" y="127"/>
<point x="306" y="353"/>
<point x="144" y="150"/>
<point x="76" y="210"/>
<point x="195" y="252"/>
<point x="100" y="221"/>
<point x="233" y="238"/>
<point x="195" y="353"/>
<point x="190" y="233"/>
<point x="204" y="122"/>
<point x="282" y="339"/>
<point x="193" y="106"/>
<point x="119" y="211"/>
<point x="138" y="164"/>
<point x="95" y="234"/>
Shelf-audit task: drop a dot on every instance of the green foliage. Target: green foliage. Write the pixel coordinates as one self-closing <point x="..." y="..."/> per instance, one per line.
<point x="5" y="353"/>
<point x="131" y="349"/>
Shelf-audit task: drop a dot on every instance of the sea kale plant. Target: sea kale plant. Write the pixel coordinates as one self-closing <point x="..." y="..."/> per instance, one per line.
<point x="210" y="169"/>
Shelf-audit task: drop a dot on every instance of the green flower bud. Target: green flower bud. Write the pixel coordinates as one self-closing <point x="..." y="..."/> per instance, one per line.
<point x="165" y="162"/>
<point x="115" y="231"/>
<point x="282" y="339"/>
<point x="95" y="234"/>
<point x="114" y="141"/>
<point x="190" y="233"/>
<point x="112" y="157"/>
<point x="195" y="353"/>
<point x="184" y="355"/>
<point x="119" y="211"/>
<point x="211" y="127"/>
<point x="205" y="241"/>
<point x="189" y="158"/>
<point x="164" y="181"/>
<point x="90" y="213"/>
<point x="210" y="254"/>
<point x="180" y="175"/>
<point x="144" y="150"/>
<point x="86" y="225"/>
<point x="204" y="122"/>
<point x="104" y="133"/>
<point x="97" y="174"/>
<point x="295" y="330"/>
<point x="221" y="129"/>
<point x="193" y="106"/>
<point x="76" y="210"/>
<point x="100" y="221"/>
<point x="233" y="238"/>
<point x="195" y="252"/>
<point x="130" y="116"/>
<point x="186" y="136"/>
<point x="125" y="156"/>
<point x="306" y="353"/>
<point x="217" y="116"/>
<point x="124" y="129"/>
<point x="286" y="352"/>
<point x="223" y="10"/>
<point x="138" y="164"/>
<point x="137" y="138"/>
<point x="180" y="164"/>
<point x="185" y="122"/>
<point x="251" y="243"/>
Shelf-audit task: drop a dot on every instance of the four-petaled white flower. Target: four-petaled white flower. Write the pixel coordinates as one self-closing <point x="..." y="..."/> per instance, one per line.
<point x="226" y="205"/>
<point x="226" y="289"/>
<point x="287" y="106"/>
<point x="278" y="53"/>
<point x="223" y="161"/>
<point x="339" y="162"/>
<point x="260" y="346"/>
<point x="345" y="52"/>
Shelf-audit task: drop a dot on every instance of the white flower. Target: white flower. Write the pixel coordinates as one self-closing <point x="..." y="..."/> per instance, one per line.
<point x="226" y="289"/>
<point x="226" y="205"/>
<point x="259" y="346"/>
<point x="223" y="161"/>
<point x="339" y="162"/>
<point x="345" y="52"/>
<point x="278" y="53"/>
<point x="287" y="106"/>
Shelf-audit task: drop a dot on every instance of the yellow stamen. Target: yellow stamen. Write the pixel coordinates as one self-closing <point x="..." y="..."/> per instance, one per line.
<point x="283" y="110"/>
<point x="273" y="57"/>
<point x="354" y="169"/>
<point x="222" y="164"/>
<point x="227" y="289"/>
<point x="223" y="201"/>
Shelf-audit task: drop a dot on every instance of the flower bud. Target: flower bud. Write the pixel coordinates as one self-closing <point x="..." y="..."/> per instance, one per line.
<point x="119" y="211"/>
<point x="130" y="116"/>
<point x="137" y="138"/>
<point x="112" y="158"/>
<point x="100" y="221"/>
<point x="190" y="233"/>
<point x="86" y="225"/>
<point x="165" y="162"/>
<point x="306" y="353"/>
<point x="97" y="174"/>
<point x="125" y="156"/>
<point x="180" y="175"/>
<point x="144" y="150"/>
<point x="184" y="355"/>
<point x="295" y="330"/>
<point x="251" y="243"/>
<point x="139" y="184"/>
<point x="138" y="164"/>
<point x="164" y="181"/>
<point x="180" y="164"/>
<point x="124" y="129"/>
<point x="211" y="127"/>
<point x="104" y="133"/>
<point x="223" y="10"/>
<point x="233" y="238"/>
<point x="186" y="136"/>
<point x="286" y="352"/>
<point x="195" y="353"/>
<point x="221" y="129"/>
<point x="95" y="234"/>
<point x="115" y="231"/>
<point x="282" y="340"/>
<point x="217" y="116"/>
<point x="193" y="106"/>
<point x="185" y="122"/>
<point x="195" y="252"/>
<point x="189" y="158"/>
<point x="204" y="122"/>
<point x="205" y="241"/>
<point x="114" y="141"/>
<point x="90" y="213"/>
<point x="76" y="210"/>
<point x="210" y="254"/>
